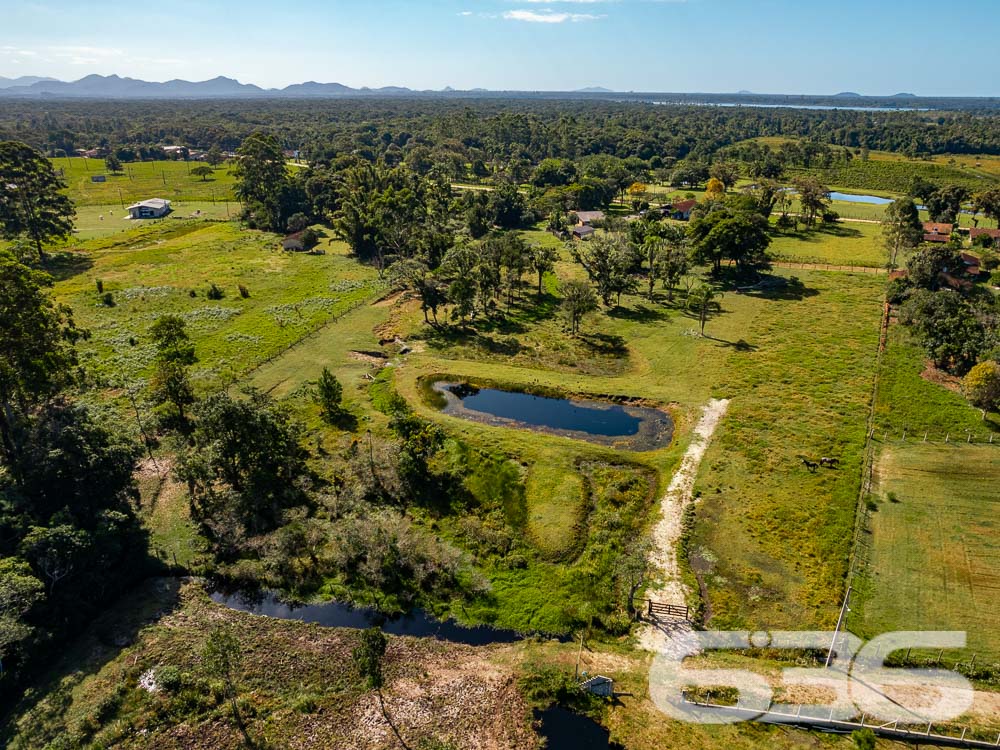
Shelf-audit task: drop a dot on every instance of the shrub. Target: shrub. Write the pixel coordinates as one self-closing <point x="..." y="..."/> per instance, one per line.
<point x="244" y="292"/>
<point x="898" y="290"/>
<point x="309" y="239"/>
<point x="785" y="223"/>
<point x="108" y="299"/>
<point x="215" y="293"/>
<point x="995" y="278"/>
<point x="169" y="679"/>
<point x="297" y="222"/>
<point x="305" y="703"/>
<point x="864" y="739"/>
<point x="192" y="293"/>
<point x="871" y="504"/>
<point x="100" y="286"/>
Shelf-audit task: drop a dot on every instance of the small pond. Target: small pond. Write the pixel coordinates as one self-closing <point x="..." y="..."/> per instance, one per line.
<point x="624" y="426"/>
<point x="565" y="730"/>
<point x="339" y="615"/>
<point x="875" y="200"/>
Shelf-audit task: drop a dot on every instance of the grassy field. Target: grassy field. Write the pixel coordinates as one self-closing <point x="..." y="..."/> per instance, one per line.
<point x="142" y="180"/>
<point x="795" y="362"/>
<point x="935" y="559"/>
<point x="820" y="340"/>
<point x="909" y="400"/>
<point x="169" y="266"/>
<point x="771" y="539"/>
<point x="842" y="244"/>
<point x="96" y="221"/>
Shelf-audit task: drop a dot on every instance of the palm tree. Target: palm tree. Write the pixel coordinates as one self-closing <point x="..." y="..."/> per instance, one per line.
<point x="703" y="299"/>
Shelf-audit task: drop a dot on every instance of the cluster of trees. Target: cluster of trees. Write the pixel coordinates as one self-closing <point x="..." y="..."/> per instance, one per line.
<point x="69" y="535"/>
<point x="958" y="323"/>
<point x="944" y="203"/>
<point x="33" y="211"/>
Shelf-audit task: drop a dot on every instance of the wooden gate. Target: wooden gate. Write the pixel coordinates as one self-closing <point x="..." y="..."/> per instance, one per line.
<point x="657" y="610"/>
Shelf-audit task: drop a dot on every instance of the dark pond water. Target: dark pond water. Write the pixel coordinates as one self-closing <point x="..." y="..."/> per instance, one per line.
<point x="565" y="730"/>
<point x="609" y="420"/>
<point x="338" y="615"/>
<point x="623" y="426"/>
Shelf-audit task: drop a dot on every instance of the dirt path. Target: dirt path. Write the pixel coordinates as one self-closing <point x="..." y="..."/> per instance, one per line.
<point x="660" y="636"/>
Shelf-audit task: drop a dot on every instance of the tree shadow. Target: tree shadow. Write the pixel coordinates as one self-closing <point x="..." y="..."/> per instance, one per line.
<point x="641" y="313"/>
<point x="447" y="336"/>
<point x="605" y="343"/>
<point x="822" y="232"/>
<point x="778" y="288"/>
<point x="740" y="346"/>
<point x="65" y="264"/>
<point x="117" y="628"/>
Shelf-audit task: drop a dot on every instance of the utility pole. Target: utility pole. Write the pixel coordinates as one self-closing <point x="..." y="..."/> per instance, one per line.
<point x="840" y="620"/>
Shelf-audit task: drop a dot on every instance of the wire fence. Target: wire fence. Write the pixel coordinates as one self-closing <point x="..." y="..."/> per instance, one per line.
<point x="896" y="435"/>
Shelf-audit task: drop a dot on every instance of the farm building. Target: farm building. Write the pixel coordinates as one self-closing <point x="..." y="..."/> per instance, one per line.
<point x="971" y="263"/>
<point x="976" y="233"/>
<point x="935" y="232"/>
<point x="153" y="208"/>
<point x="682" y="209"/>
<point x="583" y="232"/>
<point x="587" y="218"/>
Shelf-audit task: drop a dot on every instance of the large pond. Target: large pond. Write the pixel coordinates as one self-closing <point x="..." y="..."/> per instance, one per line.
<point x="858" y="198"/>
<point x="624" y="426"/>
<point x="339" y="615"/>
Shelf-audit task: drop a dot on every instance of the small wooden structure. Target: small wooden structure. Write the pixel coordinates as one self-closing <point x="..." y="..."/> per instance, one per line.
<point x="599" y="685"/>
<point x="656" y="610"/>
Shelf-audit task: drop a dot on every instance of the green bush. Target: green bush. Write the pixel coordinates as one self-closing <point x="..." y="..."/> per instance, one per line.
<point x="169" y="679"/>
<point x="215" y="293"/>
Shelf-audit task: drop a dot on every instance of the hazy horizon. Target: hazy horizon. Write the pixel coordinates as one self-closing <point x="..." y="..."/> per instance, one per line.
<point x="699" y="46"/>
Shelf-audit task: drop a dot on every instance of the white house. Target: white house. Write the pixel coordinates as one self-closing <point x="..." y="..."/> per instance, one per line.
<point x="153" y="208"/>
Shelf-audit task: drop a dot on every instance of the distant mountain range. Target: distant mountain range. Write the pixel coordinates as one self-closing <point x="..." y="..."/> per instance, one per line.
<point x="6" y="83"/>
<point x="117" y="87"/>
<point x="123" y="88"/>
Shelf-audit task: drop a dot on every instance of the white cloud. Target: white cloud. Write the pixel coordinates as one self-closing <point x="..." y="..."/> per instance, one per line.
<point x="547" y="16"/>
<point x="465" y="13"/>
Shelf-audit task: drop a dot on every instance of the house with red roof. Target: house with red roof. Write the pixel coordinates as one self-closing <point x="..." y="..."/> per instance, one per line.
<point x="937" y="232"/>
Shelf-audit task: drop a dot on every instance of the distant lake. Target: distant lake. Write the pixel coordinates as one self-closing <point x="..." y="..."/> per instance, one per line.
<point x="826" y="107"/>
<point x="855" y="198"/>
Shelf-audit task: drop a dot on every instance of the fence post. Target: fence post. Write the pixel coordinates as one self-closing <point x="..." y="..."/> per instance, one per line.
<point x="904" y="436"/>
<point x="947" y="438"/>
<point x="925" y="437"/>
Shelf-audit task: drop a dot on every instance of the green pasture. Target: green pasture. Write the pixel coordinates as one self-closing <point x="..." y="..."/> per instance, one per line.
<point x="142" y="180"/>
<point x="795" y="362"/>
<point x="98" y="220"/>
<point x="846" y="244"/>
<point x="169" y="266"/>
<point x="934" y="562"/>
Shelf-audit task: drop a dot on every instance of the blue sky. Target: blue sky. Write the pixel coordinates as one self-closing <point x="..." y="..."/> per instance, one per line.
<point x="773" y="46"/>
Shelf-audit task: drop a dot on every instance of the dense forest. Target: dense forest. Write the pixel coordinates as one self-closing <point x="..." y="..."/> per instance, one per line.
<point x="485" y="129"/>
